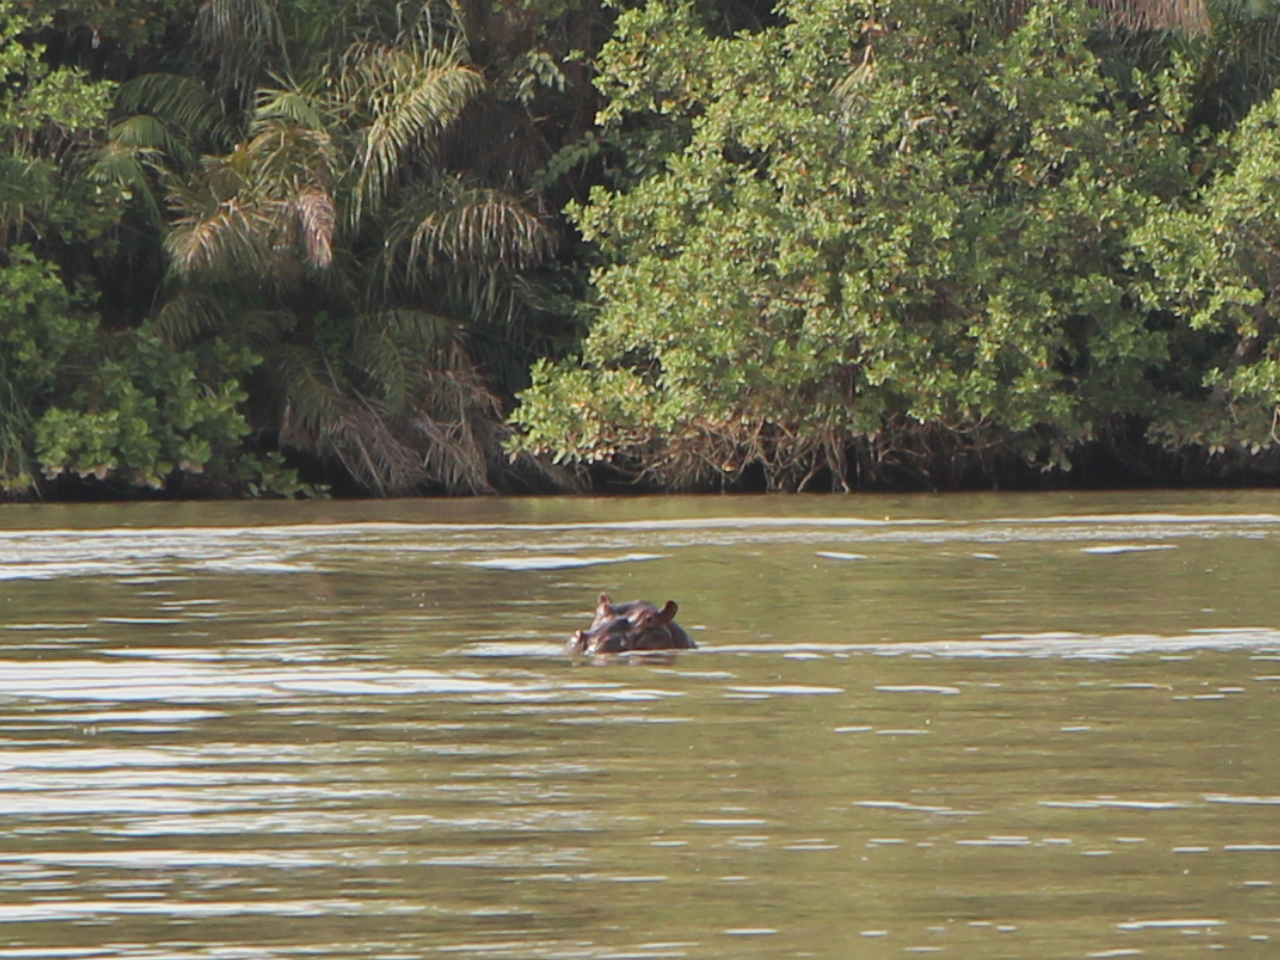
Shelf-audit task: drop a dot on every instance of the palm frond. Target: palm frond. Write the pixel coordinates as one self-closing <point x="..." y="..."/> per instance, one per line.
<point x="120" y="163"/>
<point x="237" y="22"/>
<point x="287" y="176"/>
<point x="145" y="131"/>
<point x="302" y="380"/>
<point x="384" y="368"/>
<point x="1245" y="43"/>
<point x="283" y="156"/>
<point x="182" y="103"/>
<point x="431" y="330"/>
<point x="410" y="96"/>
<point x="127" y="166"/>
<point x="436" y="23"/>
<point x="282" y="103"/>
<point x="317" y="221"/>
<point x="480" y="229"/>
<point x="23" y="184"/>
<point x="461" y="422"/>
<point x="463" y="247"/>
<point x="390" y="349"/>
<point x="240" y="35"/>
<point x="261" y="329"/>
<point x="441" y="428"/>
<point x="193" y="314"/>
<point x="258" y="207"/>
<point x="219" y="239"/>
<point x="188" y="317"/>
<point x="1182" y="16"/>
<point x="318" y="417"/>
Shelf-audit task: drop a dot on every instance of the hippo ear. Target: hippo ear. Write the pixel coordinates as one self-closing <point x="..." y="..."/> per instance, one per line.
<point x="667" y="613"/>
<point x="604" y="604"/>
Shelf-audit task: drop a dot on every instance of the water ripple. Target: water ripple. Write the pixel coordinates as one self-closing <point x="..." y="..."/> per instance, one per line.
<point x="309" y="548"/>
<point x="170" y="680"/>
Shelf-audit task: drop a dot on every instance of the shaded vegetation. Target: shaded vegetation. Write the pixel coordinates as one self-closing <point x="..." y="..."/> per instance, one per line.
<point x="252" y="246"/>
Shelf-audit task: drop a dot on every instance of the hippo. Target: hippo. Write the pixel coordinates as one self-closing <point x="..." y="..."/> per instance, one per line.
<point x="636" y="625"/>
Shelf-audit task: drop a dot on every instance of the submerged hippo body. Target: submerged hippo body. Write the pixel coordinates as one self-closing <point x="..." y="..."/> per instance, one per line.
<point x="634" y="625"/>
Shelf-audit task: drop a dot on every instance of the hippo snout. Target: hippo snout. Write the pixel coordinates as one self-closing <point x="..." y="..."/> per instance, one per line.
<point x="577" y="644"/>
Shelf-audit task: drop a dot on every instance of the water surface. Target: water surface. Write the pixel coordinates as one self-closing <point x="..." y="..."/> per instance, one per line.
<point x="988" y="726"/>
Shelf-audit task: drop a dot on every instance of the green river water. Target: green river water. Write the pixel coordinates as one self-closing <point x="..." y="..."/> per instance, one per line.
<point x="993" y="726"/>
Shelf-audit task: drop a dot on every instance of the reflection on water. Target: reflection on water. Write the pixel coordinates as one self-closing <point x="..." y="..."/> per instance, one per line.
<point x="974" y="726"/>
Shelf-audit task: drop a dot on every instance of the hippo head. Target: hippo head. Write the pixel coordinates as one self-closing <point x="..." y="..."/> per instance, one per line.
<point x="624" y="627"/>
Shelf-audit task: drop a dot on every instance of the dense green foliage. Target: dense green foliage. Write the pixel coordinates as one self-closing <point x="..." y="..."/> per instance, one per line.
<point x="306" y="228"/>
<point x="1214" y="263"/>
<point x="918" y="233"/>
<point x="75" y="397"/>
<point x="809" y="242"/>
<point x="41" y="331"/>
<point x="326" y="229"/>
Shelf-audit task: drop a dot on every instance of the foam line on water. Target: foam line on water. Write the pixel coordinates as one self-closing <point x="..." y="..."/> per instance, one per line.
<point x="1037" y="645"/>
<point x="143" y="680"/>
<point x="286" y="549"/>
<point x="518" y="564"/>
<point x="343" y="530"/>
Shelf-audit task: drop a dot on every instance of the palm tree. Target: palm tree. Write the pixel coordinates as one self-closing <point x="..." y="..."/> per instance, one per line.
<point x="321" y="228"/>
